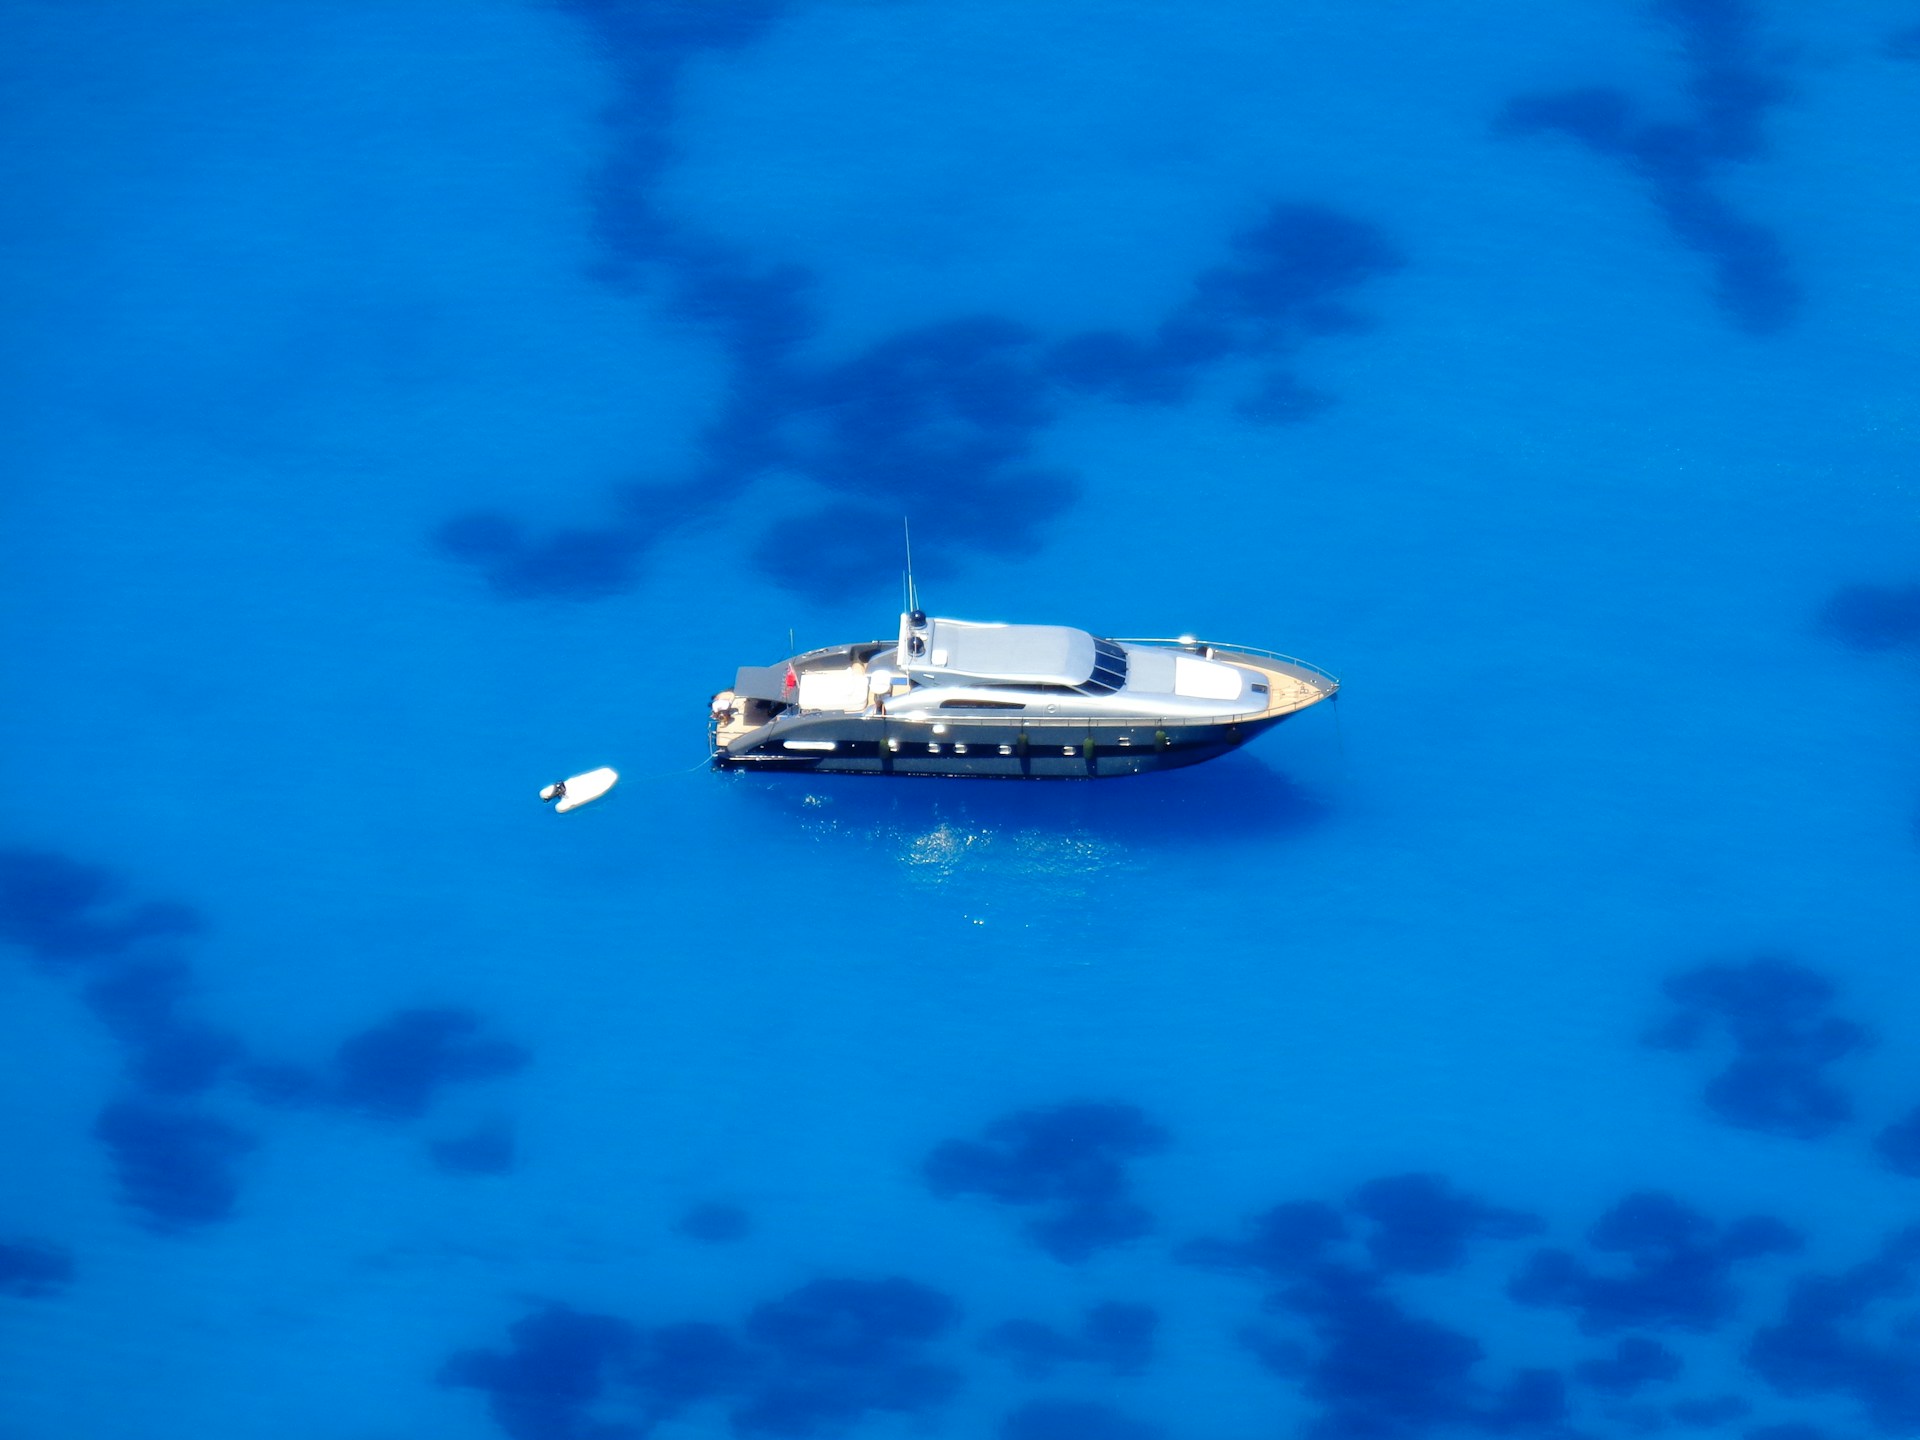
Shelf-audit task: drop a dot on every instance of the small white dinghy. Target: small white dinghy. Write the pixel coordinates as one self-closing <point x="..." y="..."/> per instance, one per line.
<point x="576" y="790"/>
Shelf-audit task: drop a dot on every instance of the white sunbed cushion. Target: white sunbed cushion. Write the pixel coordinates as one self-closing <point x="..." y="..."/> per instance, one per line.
<point x="1205" y="679"/>
<point x="833" y="690"/>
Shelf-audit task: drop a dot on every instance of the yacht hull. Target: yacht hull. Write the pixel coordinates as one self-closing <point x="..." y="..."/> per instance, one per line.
<point x="1078" y="751"/>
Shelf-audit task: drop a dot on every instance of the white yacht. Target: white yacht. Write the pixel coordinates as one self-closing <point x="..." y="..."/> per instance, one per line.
<point x="961" y="698"/>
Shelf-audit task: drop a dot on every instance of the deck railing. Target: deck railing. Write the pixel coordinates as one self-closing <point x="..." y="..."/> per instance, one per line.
<point x="1176" y="642"/>
<point x="1203" y="647"/>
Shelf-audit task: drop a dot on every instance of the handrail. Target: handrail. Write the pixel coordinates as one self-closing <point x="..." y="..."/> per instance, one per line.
<point x="1206" y="648"/>
<point x="1108" y="722"/>
<point x="1179" y="642"/>
<point x="953" y="719"/>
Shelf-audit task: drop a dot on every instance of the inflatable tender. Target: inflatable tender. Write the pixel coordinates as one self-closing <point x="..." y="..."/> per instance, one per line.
<point x="577" y="790"/>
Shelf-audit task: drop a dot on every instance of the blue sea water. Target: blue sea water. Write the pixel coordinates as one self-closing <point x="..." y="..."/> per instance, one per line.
<point x="407" y="405"/>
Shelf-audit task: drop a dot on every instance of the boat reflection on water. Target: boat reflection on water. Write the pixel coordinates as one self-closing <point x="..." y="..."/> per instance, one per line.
<point x="1233" y="802"/>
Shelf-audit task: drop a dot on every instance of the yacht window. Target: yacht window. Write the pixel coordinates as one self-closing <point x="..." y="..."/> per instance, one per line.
<point x="1109" y="669"/>
<point x="981" y="705"/>
<point x="1259" y="689"/>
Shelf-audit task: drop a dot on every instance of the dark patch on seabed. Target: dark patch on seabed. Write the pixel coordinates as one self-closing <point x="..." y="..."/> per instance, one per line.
<point x="1774" y="1016"/>
<point x="1657" y="1263"/>
<point x="34" y="1269"/>
<point x="62" y="912"/>
<point x="175" y="1142"/>
<point x="1074" y="1420"/>
<point x="1418" y="1224"/>
<point x="1873" y="617"/>
<point x="1876" y="619"/>
<point x="714" y="1222"/>
<point x="1731" y="86"/>
<point x="1634" y="1363"/>
<point x="822" y="1358"/>
<point x="940" y="419"/>
<point x="1113" y="1336"/>
<point x="1368" y="1364"/>
<point x="831" y="1353"/>
<point x="1852" y="1335"/>
<point x="395" y="1070"/>
<point x="815" y="1361"/>
<point x="1904" y="44"/>
<point x="487" y="1149"/>
<point x="1068" y="1163"/>
<point x="167" y="1053"/>
<point x="176" y="1166"/>
<point x="1334" y="1327"/>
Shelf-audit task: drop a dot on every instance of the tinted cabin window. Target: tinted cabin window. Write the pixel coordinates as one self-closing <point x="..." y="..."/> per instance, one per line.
<point x="981" y="705"/>
<point x="1109" y="669"/>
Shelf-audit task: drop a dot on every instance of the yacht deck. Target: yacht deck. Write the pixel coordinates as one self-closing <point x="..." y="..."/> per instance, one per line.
<point x="839" y="687"/>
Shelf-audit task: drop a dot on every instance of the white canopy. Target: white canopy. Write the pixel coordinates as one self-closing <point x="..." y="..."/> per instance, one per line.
<point x="1009" y="654"/>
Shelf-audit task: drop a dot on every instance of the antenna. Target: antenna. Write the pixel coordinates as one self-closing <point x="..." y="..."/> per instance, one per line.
<point x="913" y="595"/>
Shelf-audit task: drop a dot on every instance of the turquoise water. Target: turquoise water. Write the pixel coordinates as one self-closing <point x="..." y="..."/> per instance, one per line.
<point x="408" y="408"/>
